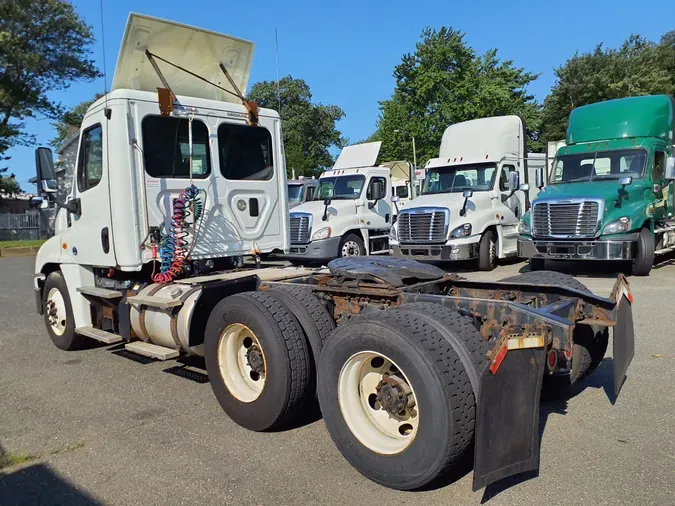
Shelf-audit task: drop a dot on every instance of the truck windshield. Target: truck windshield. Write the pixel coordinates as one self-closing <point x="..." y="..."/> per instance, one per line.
<point x="340" y="187"/>
<point x="598" y="165"/>
<point x="296" y="192"/>
<point x="457" y="178"/>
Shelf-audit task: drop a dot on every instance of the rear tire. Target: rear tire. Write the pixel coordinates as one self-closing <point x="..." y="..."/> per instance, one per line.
<point x="590" y="342"/>
<point x="281" y="360"/>
<point x="644" y="261"/>
<point x="313" y="318"/>
<point x="351" y="245"/>
<point x="487" y="251"/>
<point x="444" y="401"/>
<point x="58" y="314"/>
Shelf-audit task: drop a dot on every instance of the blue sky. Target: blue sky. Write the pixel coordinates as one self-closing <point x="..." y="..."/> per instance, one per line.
<point x="347" y="50"/>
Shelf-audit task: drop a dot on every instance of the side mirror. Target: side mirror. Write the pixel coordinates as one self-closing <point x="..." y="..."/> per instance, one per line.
<point x="670" y="168"/>
<point x="514" y="180"/>
<point x="326" y="203"/>
<point x="377" y="191"/>
<point x="395" y="199"/>
<point x="38" y="203"/>
<point x="539" y="178"/>
<point x="467" y="194"/>
<point x="524" y="187"/>
<point x="624" y="181"/>
<point x="44" y="165"/>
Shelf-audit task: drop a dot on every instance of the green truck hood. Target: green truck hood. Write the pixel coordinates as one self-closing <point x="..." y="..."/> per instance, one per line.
<point x="634" y="203"/>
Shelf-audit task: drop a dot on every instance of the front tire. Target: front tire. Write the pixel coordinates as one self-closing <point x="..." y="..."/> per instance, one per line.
<point x="351" y="245"/>
<point x="257" y="360"/>
<point x="400" y="361"/>
<point x="644" y="261"/>
<point x="58" y="314"/>
<point x="487" y="251"/>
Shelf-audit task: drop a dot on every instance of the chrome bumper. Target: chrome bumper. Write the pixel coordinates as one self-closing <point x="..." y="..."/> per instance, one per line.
<point x="611" y="249"/>
<point x="438" y="252"/>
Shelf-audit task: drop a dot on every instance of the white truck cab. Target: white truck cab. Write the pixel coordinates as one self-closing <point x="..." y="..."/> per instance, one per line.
<point x="471" y="200"/>
<point x="192" y="180"/>
<point x="351" y="212"/>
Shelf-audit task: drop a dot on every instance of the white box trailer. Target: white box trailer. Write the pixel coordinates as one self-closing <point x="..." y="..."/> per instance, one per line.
<point x="170" y="187"/>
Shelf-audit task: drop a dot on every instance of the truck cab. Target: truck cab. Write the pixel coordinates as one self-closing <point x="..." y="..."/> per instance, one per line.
<point x="610" y="188"/>
<point x="300" y="191"/>
<point x="351" y="212"/>
<point x="471" y="199"/>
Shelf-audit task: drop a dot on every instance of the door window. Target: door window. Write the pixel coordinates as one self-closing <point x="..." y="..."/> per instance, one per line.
<point x="310" y="193"/>
<point x="504" y="177"/>
<point x="369" y="191"/>
<point x="166" y="148"/>
<point x="90" y="163"/>
<point x="659" y="166"/>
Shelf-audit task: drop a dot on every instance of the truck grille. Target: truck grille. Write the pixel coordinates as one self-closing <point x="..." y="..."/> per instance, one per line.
<point x="423" y="225"/>
<point x="301" y="228"/>
<point x="565" y="219"/>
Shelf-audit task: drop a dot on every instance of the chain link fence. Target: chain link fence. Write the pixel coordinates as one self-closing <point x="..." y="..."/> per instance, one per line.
<point x="21" y="227"/>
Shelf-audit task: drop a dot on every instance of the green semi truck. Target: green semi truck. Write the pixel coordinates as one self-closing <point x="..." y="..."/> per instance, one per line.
<point x="610" y="188"/>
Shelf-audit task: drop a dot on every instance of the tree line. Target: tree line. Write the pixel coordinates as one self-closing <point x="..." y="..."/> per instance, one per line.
<point x="45" y="45"/>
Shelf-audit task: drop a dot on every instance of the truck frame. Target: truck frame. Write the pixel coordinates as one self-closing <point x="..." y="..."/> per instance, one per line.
<point x="411" y="365"/>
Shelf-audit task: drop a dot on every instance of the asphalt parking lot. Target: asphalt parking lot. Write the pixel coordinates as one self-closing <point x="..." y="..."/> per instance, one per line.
<point x="94" y="427"/>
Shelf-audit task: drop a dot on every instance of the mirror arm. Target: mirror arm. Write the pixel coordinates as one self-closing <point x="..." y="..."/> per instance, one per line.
<point x="462" y="211"/>
<point x="325" y="213"/>
<point x="72" y="206"/>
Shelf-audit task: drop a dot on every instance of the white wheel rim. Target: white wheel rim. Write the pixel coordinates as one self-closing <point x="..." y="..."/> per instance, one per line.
<point x="56" y="311"/>
<point x="240" y="378"/>
<point x="377" y="429"/>
<point x="351" y="249"/>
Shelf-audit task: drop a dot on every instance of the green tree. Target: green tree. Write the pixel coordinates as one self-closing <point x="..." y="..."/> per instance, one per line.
<point x="309" y="128"/>
<point x="71" y="120"/>
<point x="44" y="47"/>
<point x="8" y="184"/>
<point x="445" y="82"/>
<point x="638" y="67"/>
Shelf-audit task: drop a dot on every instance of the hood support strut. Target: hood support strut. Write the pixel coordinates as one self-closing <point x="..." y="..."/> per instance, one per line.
<point x="250" y="105"/>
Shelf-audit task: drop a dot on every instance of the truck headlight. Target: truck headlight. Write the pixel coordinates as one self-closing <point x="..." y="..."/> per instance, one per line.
<point x="461" y="231"/>
<point x="393" y="235"/>
<point x="523" y="227"/>
<point x="323" y="233"/>
<point x="617" y="226"/>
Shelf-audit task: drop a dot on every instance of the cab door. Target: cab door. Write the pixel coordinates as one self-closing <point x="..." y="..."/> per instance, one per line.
<point x="89" y="239"/>
<point x="507" y="209"/>
<point x="380" y="215"/>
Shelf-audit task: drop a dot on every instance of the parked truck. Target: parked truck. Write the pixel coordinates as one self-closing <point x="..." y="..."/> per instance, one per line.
<point x="351" y="212"/>
<point x="300" y="191"/>
<point x="414" y="367"/>
<point x="472" y="198"/>
<point x="610" y="190"/>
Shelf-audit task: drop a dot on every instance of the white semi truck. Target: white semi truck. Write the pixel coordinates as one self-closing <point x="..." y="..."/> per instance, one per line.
<point x="351" y="212"/>
<point x="172" y="184"/>
<point x="472" y="198"/>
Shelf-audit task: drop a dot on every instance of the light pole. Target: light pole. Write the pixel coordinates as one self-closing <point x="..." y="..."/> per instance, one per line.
<point x="412" y="173"/>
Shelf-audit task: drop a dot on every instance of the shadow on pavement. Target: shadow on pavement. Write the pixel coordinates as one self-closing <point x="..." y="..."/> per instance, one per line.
<point x="38" y="484"/>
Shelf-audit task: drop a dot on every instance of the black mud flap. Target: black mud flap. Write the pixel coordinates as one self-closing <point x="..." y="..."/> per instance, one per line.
<point x="507" y="422"/>
<point x="624" y="343"/>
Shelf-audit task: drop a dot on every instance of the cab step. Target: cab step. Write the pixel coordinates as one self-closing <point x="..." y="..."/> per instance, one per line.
<point x="103" y="293"/>
<point x="100" y="335"/>
<point x="154" y="301"/>
<point x="151" y="350"/>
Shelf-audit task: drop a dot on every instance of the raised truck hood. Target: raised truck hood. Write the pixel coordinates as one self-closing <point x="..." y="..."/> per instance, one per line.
<point x="199" y="51"/>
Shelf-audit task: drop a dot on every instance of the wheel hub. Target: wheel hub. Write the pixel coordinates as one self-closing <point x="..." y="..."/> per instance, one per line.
<point x="391" y="395"/>
<point x="255" y="360"/>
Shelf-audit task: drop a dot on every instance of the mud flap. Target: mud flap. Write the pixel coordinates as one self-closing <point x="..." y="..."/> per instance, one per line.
<point x="507" y="422"/>
<point x="624" y="343"/>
